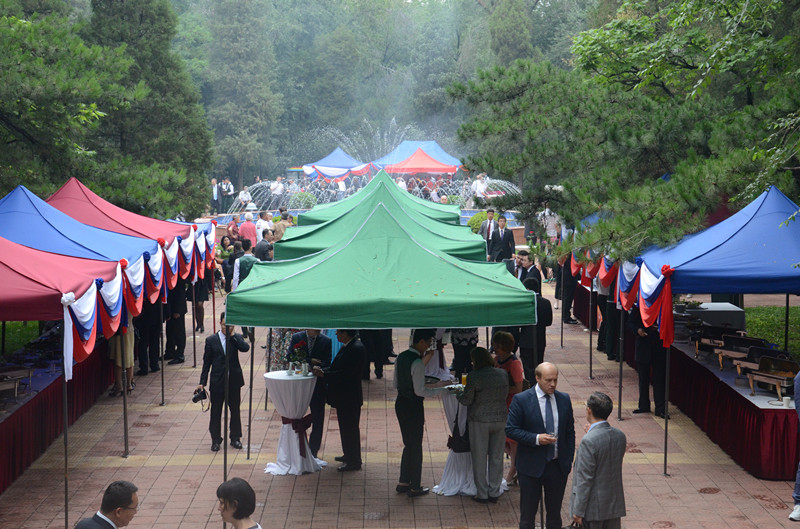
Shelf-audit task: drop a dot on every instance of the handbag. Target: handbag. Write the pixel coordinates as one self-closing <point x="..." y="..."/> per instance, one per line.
<point x="458" y="442"/>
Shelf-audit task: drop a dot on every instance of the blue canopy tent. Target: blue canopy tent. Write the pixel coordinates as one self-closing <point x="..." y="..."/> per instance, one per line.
<point x="753" y="251"/>
<point x="30" y="221"/>
<point x="338" y="164"/>
<point x="408" y="147"/>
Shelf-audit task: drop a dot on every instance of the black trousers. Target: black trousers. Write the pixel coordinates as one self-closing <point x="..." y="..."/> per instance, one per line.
<point x="554" y="482"/>
<point x="612" y="316"/>
<point x="461" y="359"/>
<point x="317" y="417"/>
<point x="530" y="359"/>
<point x="176" y="337"/>
<point x="149" y="349"/>
<point x="658" y="379"/>
<point x="349" y="418"/>
<point x="235" y="421"/>
<point x="411" y="416"/>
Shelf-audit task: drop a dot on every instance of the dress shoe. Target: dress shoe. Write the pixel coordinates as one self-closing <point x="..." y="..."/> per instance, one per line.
<point x="347" y="467"/>
<point x="480" y="500"/>
<point x="492" y="499"/>
<point x="571" y="321"/>
<point x="215" y="447"/>
<point x="393" y="354"/>
<point x="377" y="375"/>
<point x="154" y="369"/>
<point x="661" y="414"/>
<point x="141" y="373"/>
<point x="795" y="516"/>
<point x="175" y="361"/>
<point x="403" y="488"/>
<point x="641" y="411"/>
<point x="340" y="459"/>
<point x="413" y="493"/>
<point x="237" y="444"/>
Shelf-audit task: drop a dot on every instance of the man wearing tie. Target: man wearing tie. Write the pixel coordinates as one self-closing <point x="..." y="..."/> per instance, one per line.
<point x="501" y="244"/>
<point x="318" y="351"/>
<point x="545" y="433"/>
<point x="343" y="379"/>
<point x="486" y="229"/>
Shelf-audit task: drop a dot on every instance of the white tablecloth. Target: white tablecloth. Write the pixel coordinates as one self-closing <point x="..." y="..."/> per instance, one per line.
<point x="291" y="396"/>
<point x="457" y="475"/>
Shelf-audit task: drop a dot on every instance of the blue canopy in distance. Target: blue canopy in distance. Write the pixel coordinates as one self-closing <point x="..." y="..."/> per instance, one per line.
<point x="409" y="147"/>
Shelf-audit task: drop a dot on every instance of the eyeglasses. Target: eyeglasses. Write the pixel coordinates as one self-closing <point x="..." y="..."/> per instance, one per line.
<point x="132" y="508"/>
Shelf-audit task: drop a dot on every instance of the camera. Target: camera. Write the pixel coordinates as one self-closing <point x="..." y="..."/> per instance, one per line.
<point x="199" y="394"/>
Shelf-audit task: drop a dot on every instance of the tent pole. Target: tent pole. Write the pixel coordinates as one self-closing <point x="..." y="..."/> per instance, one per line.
<point x="66" y="442"/>
<point x="666" y="409"/>
<point x="228" y="350"/>
<point x="269" y="364"/>
<point x="620" y="358"/>
<point x="121" y="337"/>
<point x="4" y="336"/>
<point x="250" y="406"/>
<point x="562" y="305"/>
<point x="785" y="328"/>
<point x="214" y="303"/>
<point x="589" y="324"/>
<point x="194" y="325"/>
<point x="161" y="341"/>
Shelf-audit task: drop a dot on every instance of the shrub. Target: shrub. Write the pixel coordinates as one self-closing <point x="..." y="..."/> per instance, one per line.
<point x="302" y="200"/>
<point x="475" y="221"/>
<point x="768" y="323"/>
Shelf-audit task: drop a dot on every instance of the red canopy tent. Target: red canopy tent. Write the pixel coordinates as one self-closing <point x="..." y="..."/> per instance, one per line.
<point x="420" y="162"/>
<point x="82" y="204"/>
<point x="34" y="281"/>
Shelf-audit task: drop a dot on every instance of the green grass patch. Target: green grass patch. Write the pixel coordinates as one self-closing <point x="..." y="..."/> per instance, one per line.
<point x="768" y="323"/>
<point x="18" y="333"/>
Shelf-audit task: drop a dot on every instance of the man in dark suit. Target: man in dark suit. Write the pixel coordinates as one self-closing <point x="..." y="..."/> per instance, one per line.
<point x="318" y="350"/>
<point x="545" y="435"/>
<point x="528" y="267"/>
<point x="501" y="245"/>
<point x="120" y="504"/>
<point x="148" y="323"/>
<point x="214" y="358"/>
<point x="487" y="229"/>
<point x="533" y="338"/>
<point x="176" y="322"/>
<point x="650" y="354"/>
<point x="343" y="378"/>
<point x="598" y="499"/>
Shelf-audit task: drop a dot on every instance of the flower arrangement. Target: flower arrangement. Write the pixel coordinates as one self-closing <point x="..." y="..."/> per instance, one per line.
<point x="300" y="352"/>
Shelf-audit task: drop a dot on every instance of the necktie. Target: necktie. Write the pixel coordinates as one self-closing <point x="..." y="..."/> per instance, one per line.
<point x="501" y="235"/>
<point x="550" y="426"/>
<point x="311" y="344"/>
<point x="490" y="229"/>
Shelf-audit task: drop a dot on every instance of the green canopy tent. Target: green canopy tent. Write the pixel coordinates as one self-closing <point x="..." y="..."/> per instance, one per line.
<point x="325" y="212"/>
<point x="381" y="277"/>
<point x="458" y="241"/>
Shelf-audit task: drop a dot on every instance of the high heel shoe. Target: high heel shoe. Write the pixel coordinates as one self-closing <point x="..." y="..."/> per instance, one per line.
<point x="512" y="482"/>
<point x="115" y="392"/>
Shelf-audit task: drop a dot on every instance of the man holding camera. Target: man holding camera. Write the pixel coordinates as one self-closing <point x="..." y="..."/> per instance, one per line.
<point x="214" y="359"/>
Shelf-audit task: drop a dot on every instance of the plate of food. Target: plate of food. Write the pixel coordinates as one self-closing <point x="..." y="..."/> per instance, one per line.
<point x="431" y="380"/>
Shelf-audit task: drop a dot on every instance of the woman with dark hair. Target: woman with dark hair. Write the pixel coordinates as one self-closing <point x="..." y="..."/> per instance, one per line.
<point x="237" y="502"/>
<point x="485" y="398"/>
<point x="503" y="345"/>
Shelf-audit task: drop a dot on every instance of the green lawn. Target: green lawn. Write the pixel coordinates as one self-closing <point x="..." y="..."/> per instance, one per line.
<point x="768" y="323"/>
<point x="18" y="333"/>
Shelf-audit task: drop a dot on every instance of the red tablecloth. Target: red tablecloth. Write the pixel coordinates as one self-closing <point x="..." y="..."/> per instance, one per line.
<point x="29" y="430"/>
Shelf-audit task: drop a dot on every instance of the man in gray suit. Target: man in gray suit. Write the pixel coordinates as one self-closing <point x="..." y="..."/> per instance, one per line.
<point x="598" y="501"/>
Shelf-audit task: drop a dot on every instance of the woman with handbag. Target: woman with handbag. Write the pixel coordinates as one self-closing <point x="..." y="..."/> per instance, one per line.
<point x="485" y="398"/>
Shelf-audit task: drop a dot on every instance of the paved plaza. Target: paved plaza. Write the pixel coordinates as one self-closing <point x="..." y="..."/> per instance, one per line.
<point x="177" y="474"/>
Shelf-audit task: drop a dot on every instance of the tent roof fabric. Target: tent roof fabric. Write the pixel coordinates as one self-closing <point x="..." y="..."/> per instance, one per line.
<point x="28" y="220"/>
<point x="337" y="159"/>
<point x="408" y="147"/>
<point x="458" y="241"/>
<point x="381" y="277"/>
<point x="82" y="204"/>
<point x="419" y="162"/>
<point x="34" y="281"/>
<point x="750" y="252"/>
<point x="325" y="212"/>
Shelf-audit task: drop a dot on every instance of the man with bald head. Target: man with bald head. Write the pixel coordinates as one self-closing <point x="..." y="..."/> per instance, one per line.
<point x="540" y="420"/>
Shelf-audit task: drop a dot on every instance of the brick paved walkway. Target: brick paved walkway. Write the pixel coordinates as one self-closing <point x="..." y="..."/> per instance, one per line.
<point x="177" y="474"/>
